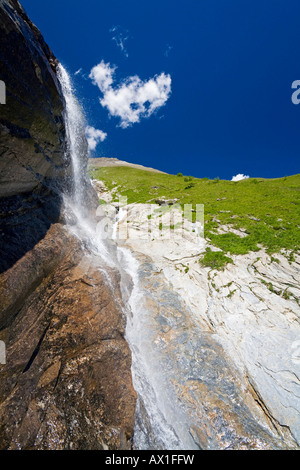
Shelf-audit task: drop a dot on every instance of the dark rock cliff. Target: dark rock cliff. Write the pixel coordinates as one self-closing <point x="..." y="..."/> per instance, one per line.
<point x="66" y="383"/>
<point x="33" y="165"/>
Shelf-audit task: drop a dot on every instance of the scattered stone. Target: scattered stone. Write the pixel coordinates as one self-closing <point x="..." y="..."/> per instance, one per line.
<point x="168" y="202"/>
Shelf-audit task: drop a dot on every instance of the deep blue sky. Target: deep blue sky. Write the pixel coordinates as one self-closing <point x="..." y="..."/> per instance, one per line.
<point x="232" y="63"/>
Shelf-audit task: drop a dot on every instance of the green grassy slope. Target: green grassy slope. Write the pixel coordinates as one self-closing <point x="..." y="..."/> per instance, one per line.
<point x="267" y="210"/>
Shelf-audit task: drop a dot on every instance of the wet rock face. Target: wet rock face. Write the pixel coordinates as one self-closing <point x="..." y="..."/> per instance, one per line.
<point x="32" y="162"/>
<point x="67" y="381"/>
<point x="32" y="130"/>
<point x="226" y="342"/>
<point x="204" y="400"/>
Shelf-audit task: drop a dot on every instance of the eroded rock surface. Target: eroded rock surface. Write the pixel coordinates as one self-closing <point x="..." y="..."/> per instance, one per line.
<point x="229" y="340"/>
<point x="33" y="162"/>
<point x="67" y="380"/>
<point x="32" y="128"/>
<point x="108" y="162"/>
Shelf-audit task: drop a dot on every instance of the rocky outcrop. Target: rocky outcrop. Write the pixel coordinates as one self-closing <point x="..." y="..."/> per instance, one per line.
<point x="67" y="382"/>
<point x="33" y="165"/>
<point x="224" y="343"/>
<point x="109" y="162"/>
<point x="32" y="129"/>
<point x="195" y="381"/>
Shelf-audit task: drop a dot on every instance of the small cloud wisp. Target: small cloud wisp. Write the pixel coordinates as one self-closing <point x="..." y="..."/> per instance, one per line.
<point x="120" y="37"/>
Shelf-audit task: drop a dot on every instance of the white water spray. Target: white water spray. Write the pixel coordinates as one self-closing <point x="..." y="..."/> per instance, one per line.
<point x="77" y="201"/>
<point x="154" y="427"/>
<point x="75" y="133"/>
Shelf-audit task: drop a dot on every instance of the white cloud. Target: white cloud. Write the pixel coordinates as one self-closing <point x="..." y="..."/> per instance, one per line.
<point x="94" y="136"/>
<point x="134" y="98"/>
<point x="120" y="37"/>
<point x="78" y="71"/>
<point x="102" y="76"/>
<point x="239" y="177"/>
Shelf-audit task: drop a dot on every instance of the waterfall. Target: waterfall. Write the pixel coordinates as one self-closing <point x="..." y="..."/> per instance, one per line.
<point x="153" y="421"/>
<point x="77" y="200"/>
<point x="75" y="136"/>
<point x="159" y="421"/>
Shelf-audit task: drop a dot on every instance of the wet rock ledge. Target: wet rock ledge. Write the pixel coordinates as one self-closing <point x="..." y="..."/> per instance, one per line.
<point x="66" y="383"/>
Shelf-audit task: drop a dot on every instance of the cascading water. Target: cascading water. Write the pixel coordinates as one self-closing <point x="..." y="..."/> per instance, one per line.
<point x="154" y="425"/>
<point x="154" y="417"/>
<point x="160" y="420"/>
<point x="75" y="136"/>
<point x="76" y="201"/>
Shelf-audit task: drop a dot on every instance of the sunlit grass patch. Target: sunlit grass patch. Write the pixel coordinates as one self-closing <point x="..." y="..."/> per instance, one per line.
<point x="214" y="259"/>
<point x="266" y="210"/>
